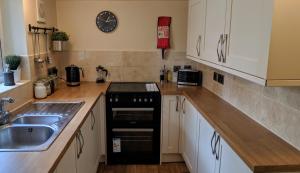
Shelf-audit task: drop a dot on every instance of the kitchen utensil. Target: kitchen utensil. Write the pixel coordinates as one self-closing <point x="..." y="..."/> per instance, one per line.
<point x="48" y="59"/>
<point x="73" y="75"/>
<point x="38" y="59"/>
<point x="102" y="74"/>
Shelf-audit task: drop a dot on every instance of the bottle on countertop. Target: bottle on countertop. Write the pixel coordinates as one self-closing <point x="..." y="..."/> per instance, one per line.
<point x="162" y="76"/>
<point x="169" y="76"/>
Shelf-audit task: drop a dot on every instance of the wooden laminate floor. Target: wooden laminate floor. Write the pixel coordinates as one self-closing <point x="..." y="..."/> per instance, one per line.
<point x="164" y="168"/>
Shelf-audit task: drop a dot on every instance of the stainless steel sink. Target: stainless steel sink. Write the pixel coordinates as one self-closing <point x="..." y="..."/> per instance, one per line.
<point x="36" y="119"/>
<point x="36" y="126"/>
<point x="25" y="137"/>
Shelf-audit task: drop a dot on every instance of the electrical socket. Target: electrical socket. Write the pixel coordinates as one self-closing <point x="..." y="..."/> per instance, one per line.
<point x="218" y="78"/>
<point x="215" y="76"/>
<point x="221" y="79"/>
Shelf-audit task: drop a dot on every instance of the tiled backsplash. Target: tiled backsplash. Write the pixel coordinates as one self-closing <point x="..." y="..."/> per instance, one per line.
<point x="122" y="65"/>
<point x="276" y="108"/>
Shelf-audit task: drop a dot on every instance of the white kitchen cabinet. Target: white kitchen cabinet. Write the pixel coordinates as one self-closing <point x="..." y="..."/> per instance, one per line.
<point x="101" y="128"/>
<point x="206" y="156"/>
<point x="190" y="132"/>
<point x="94" y="132"/>
<point x="253" y="39"/>
<point x="88" y="145"/>
<point x="249" y="35"/>
<point x="196" y="22"/>
<point x="84" y="160"/>
<point x="214" y="29"/>
<point x="170" y="124"/>
<point x="229" y="161"/>
<point x="68" y="162"/>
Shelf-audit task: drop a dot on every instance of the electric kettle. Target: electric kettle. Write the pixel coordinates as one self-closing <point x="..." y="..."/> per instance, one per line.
<point x="73" y="75"/>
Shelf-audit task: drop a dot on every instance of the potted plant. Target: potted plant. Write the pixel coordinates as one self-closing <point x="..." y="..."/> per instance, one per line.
<point x="14" y="61"/>
<point x="58" y="40"/>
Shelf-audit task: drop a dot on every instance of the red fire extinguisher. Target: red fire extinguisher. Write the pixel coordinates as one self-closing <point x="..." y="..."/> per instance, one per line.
<point x="163" y="34"/>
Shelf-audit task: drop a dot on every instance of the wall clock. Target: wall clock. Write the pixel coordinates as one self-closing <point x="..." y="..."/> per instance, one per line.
<point x="106" y="21"/>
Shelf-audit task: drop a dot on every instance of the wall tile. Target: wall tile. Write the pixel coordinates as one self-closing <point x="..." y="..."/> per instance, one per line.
<point x="122" y="65"/>
<point x="276" y="108"/>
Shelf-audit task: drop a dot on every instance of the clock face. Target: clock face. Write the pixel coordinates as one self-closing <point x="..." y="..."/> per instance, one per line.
<point x="106" y="21"/>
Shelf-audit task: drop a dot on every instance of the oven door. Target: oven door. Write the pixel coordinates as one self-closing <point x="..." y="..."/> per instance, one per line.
<point x="132" y="146"/>
<point x="134" y="117"/>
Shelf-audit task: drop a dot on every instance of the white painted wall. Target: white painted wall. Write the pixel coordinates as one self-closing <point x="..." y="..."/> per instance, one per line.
<point x="137" y="24"/>
<point x="14" y="34"/>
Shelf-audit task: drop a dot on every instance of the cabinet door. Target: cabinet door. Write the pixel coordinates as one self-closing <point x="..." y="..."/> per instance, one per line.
<point x="181" y="124"/>
<point x="84" y="161"/>
<point x="102" y="127"/>
<point x="170" y="124"/>
<point x="230" y="162"/>
<point x="68" y="162"/>
<point x="249" y="35"/>
<point x="207" y="138"/>
<point x="214" y="28"/>
<point x="190" y="137"/>
<point x="94" y="147"/>
<point x="196" y="22"/>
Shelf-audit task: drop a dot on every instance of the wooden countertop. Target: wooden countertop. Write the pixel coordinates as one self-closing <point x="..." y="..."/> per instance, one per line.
<point x="261" y="150"/>
<point x="46" y="161"/>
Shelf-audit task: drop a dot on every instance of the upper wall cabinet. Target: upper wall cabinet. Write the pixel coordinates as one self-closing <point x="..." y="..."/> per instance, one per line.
<point x="196" y="28"/>
<point x="255" y="39"/>
<point x="215" y="27"/>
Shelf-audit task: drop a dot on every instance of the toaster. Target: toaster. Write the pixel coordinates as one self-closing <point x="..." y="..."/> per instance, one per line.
<point x="189" y="77"/>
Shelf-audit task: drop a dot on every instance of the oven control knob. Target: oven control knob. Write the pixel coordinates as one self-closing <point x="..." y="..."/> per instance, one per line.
<point x="110" y="99"/>
<point x="134" y="100"/>
<point x="140" y="100"/>
<point x="145" y="100"/>
<point x="116" y="99"/>
<point x="151" y="100"/>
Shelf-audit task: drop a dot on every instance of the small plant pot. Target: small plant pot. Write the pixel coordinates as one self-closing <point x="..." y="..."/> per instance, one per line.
<point x="17" y="74"/>
<point x="59" y="46"/>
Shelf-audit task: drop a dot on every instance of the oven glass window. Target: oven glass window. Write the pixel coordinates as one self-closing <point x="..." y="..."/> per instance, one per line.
<point x="132" y="114"/>
<point x="132" y="140"/>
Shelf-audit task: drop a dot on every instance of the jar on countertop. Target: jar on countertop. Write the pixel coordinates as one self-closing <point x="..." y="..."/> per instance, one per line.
<point x="40" y="90"/>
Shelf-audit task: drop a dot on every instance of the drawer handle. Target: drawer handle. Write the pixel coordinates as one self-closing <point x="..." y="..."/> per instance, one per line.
<point x="220" y="42"/>
<point x="213" y="149"/>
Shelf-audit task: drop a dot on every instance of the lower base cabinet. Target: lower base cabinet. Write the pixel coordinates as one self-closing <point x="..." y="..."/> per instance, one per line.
<point x="83" y="154"/>
<point x="191" y="124"/>
<point x="203" y="149"/>
<point x="68" y="162"/>
<point x="230" y="162"/>
<point x="206" y="157"/>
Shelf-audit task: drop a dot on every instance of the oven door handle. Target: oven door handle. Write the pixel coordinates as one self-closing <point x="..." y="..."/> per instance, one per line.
<point x="132" y="109"/>
<point x="132" y="130"/>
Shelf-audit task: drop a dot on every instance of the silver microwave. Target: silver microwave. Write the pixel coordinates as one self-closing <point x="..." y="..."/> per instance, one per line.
<point x="189" y="77"/>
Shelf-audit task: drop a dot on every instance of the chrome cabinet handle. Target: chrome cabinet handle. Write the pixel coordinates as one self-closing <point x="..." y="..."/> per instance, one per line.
<point x="218" y="47"/>
<point x="81" y="142"/>
<point x="224" y="47"/>
<point x="183" y="108"/>
<point x="177" y="103"/>
<point x="217" y="146"/>
<point x="81" y="136"/>
<point x="198" y="46"/>
<point x="78" y="142"/>
<point x="213" y="145"/>
<point x="93" y="120"/>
